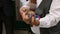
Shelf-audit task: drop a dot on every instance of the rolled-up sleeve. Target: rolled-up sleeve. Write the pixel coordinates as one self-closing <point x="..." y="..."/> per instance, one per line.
<point x="53" y="17"/>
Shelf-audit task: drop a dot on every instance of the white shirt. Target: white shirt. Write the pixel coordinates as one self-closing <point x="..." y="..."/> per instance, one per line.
<point x="23" y="2"/>
<point x="53" y="17"/>
<point x="50" y="19"/>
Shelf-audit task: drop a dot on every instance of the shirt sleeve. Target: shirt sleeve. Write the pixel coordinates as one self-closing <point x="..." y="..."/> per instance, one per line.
<point x="53" y="17"/>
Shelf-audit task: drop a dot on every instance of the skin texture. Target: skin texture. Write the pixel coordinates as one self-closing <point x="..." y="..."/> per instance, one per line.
<point x="25" y="16"/>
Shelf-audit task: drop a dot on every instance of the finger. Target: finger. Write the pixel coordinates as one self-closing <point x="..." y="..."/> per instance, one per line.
<point x="26" y="21"/>
<point x="23" y="15"/>
<point x="37" y="23"/>
<point x="22" y="9"/>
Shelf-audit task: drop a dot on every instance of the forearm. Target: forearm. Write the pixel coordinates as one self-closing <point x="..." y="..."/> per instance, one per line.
<point x="47" y="21"/>
<point x="53" y="17"/>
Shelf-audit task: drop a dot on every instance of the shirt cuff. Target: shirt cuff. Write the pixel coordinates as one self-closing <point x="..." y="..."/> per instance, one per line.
<point x="48" y="21"/>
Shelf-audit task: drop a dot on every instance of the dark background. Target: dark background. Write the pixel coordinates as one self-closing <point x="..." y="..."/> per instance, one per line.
<point x="19" y="24"/>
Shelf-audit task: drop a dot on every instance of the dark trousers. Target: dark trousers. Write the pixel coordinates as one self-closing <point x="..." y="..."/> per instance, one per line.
<point x="51" y="30"/>
<point x="8" y="22"/>
<point x="44" y="31"/>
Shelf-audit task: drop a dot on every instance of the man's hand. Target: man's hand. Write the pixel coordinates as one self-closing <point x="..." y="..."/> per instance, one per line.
<point x="23" y="14"/>
<point x="37" y="23"/>
<point x="22" y="10"/>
